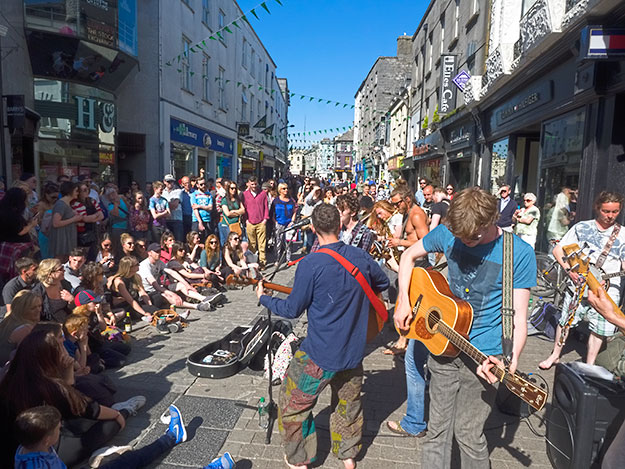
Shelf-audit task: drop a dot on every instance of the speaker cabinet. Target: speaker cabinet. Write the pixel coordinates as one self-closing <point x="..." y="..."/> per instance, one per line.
<point x="586" y="414"/>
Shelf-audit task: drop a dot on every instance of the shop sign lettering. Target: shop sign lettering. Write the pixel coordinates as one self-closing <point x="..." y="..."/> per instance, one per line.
<point x="448" y="89"/>
<point x="86" y="115"/>
<point x="537" y="97"/>
<point x="421" y="150"/>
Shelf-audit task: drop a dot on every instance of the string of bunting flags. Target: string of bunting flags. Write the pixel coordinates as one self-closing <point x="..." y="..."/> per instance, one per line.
<point x="219" y="34"/>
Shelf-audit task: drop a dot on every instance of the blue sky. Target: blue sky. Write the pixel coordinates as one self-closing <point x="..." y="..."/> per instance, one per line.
<point x="325" y="48"/>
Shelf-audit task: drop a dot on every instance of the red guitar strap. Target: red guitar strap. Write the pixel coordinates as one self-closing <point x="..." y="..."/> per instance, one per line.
<point x="377" y="304"/>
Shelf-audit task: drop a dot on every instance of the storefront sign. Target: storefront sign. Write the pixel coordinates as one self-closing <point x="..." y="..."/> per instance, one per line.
<point x="421" y="149"/>
<point x="87" y="118"/>
<point x="461" y="80"/>
<point x="107" y="157"/>
<point x="395" y="163"/>
<point x="192" y="135"/>
<point x="448" y="90"/>
<point x="100" y="19"/>
<point x="460" y="137"/>
<point x="537" y="97"/>
<point x="16" y="112"/>
<point x="598" y="42"/>
<point x="243" y="130"/>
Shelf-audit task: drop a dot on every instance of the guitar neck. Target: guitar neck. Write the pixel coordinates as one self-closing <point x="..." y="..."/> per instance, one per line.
<point x="272" y="286"/>
<point x="614" y="275"/>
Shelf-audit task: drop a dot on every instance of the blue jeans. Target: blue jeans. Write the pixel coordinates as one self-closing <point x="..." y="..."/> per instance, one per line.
<point x="143" y="456"/>
<point x="416" y="357"/>
<point x="224" y="231"/>
<point x="175" y="226"/>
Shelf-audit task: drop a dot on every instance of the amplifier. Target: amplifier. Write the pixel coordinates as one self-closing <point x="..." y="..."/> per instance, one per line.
<point x="585" y="415"/>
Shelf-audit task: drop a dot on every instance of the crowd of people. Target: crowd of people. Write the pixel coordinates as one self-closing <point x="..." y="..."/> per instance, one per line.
<point x="80" y="261"/>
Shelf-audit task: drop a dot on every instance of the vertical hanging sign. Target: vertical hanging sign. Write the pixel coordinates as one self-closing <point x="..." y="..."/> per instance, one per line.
<point x="448" y="89"/>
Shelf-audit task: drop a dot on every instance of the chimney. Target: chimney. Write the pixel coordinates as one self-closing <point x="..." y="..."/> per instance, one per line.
<point x="404" y="47"/>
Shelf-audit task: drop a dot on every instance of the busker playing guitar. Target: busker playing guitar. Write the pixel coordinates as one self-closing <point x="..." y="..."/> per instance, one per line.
<point x="605" y="239"/>
<point x="332" y="352"/>
<point x="459" y="401"/>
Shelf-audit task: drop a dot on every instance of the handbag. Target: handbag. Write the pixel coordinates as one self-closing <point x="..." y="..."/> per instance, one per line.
<point x="87" y="238"/>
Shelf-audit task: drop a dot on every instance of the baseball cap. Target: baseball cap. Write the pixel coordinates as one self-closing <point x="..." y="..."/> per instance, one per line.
<point x="169" y="177"/>
<point x="86" y="297"/>
<point x="154" y="247"/>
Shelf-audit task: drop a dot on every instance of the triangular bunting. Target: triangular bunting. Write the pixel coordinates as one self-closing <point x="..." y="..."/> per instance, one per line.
<point x="254" y="13"/>
<point x="264" y="5"/>
<point x="227" y="29"/>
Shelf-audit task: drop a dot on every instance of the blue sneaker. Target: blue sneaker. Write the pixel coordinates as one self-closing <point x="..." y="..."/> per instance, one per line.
<point x="176" y="425"/>
<point x="224" y="462"/>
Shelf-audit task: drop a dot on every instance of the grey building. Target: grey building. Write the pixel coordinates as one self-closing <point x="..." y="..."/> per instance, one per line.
<point x="385" y="79"/>
<point x="450" y="42"/>
<point x="344" y="155"/>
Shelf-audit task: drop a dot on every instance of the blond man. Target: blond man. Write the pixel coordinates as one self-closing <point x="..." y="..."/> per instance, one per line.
<point x="473" y="245"/>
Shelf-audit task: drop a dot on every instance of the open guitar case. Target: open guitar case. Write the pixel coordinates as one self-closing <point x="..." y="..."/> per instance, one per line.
<point x="227" y="356"/>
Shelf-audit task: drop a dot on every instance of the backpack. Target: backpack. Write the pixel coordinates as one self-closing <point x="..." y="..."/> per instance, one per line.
<point x="543" y="320"/>
<point x="283" y="355"/>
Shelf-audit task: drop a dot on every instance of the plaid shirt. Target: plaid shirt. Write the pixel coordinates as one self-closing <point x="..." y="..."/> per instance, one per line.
<point x="9" y="253"/>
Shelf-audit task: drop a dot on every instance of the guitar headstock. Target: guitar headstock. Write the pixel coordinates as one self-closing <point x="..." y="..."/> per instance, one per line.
<point x="527" y="391"/>
<point x="575" y="256"/>
<point x="243" y="280"/>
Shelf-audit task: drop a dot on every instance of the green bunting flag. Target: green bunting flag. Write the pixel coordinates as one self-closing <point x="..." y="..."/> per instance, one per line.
<point x="236" y="24"/>
<point x="212" y="37"/>
<point x="320" y="100"/>
<point x="220" y="36"/>
<point x="279" y="2"/>
<point x="264" y="5"/>
<point x="311" y="99"/>
<point x="227" y="29"/>
<point x="238" y="84"/>
<point x="254" y="13"/>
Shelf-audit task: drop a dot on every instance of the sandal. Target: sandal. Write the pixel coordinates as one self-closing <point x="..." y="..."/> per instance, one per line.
<point x="395" y="427"/>
<point x="395" y="350"/>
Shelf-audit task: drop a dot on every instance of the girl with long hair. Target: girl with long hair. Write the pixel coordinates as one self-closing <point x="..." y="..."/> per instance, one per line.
<point x="44" y="211"/>
<point x="25" y="314"/>
<point x="13" y="226"/>
<point x="167" y="243"/>
<point x="139" y="216"/>
<point x="232" y="210"/>
<point x="128" y="246"/>
<point x="210" y="261"/>
<point x="43" y="372"/>
<point x="283" y="211"/>
<point x="127" y="289"/>
<point x="63" y="234"/>
<point x="92" y="213"/>
<point x="235" y="259"/>
<point x="105" y="256"/>
<point x="193" y="246"/>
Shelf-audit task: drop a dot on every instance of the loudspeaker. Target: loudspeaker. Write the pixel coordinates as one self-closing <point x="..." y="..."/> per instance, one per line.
<point x="586" y="414"/>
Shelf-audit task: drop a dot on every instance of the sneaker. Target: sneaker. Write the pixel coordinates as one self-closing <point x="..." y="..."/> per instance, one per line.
<point x="132" y="405"/>
<point x="100" y="456"/>
<point x="161" y="326"/>
<point x="205" y="306"/>
<point x="176" y="425"/>
<point x="185" y="314"/>
<point x="217" y="298"/>
<point x="174" y="327"/>
<point x="224" y="462"/>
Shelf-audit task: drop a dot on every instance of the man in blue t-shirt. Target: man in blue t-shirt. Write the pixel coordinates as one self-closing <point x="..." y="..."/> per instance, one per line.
<point x="459" y="401"/>
<point x="202" y="204"/>
<point x="333" y="350"/>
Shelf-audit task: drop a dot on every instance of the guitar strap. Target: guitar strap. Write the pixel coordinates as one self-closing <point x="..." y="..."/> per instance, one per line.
<point x="606" y="249"/>
<point x="507" y="303"/>
<point x="377" y="304"/>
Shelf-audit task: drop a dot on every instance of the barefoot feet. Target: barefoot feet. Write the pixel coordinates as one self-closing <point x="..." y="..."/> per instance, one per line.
<point x="349" y="463"/>
<point x="548" y="363"/>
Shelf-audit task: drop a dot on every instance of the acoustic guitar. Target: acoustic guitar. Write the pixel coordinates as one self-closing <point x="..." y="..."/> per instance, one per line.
<point x="442" y="322"/>
<point x="374" y="324"/>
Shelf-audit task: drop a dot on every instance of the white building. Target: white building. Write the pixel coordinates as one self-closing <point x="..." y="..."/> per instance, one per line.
<point x="325" y="159"/>
<point x="192" y="92"/>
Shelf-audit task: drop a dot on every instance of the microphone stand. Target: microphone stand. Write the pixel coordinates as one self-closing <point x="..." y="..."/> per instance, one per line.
<point x="272" y="407"/>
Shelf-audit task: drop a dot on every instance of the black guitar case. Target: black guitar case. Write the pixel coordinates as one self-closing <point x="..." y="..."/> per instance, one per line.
<point x="229" y="355"/>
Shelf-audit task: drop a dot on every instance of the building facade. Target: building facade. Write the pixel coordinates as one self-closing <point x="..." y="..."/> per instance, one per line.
<point x="67" y="64"/>
<point x="383" y="83"/>
<point x="344" y="152"/>
<point x="325" y="159"/>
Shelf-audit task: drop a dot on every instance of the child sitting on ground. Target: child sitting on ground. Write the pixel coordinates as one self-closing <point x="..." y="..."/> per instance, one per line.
<point x="37" y="431"/>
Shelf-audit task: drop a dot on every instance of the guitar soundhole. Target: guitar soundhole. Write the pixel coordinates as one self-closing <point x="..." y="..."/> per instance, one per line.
<point x="433" y="318"/>
<point x="421" y="329"/>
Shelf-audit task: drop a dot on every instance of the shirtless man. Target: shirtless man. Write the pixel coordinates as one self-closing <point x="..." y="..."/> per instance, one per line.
<point x="413" y="424"/>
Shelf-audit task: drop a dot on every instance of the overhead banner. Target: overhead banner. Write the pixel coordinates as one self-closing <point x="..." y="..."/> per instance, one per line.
<point x="448" y="88"/>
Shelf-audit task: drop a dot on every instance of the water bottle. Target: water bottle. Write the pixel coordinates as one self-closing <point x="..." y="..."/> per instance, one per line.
<point x="263" y="413"/>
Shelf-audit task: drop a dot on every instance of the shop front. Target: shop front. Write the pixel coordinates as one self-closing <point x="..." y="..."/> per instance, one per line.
<point x="249" y="160"/>
<point x="77" y="130"/>
<point x="395" y="165"/>
<point x="428" y="156"/>
<point x="193" y="147"/>
<point x="460" y="153"/>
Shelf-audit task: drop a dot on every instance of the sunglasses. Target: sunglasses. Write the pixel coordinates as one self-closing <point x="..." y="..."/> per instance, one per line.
<point x="214" y="242"/>
<point x="397" y="204"/>
<point x="528" y="200"/>
<point x="236" y="239"/>
<point x="107" y="245"/>
<point x="141" y="246"/>
<point x="450" y="188"/>
<point x="130" y="243"/>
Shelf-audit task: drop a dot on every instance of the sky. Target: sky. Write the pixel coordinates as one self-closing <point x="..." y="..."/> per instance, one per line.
<point x="325" y="48"/>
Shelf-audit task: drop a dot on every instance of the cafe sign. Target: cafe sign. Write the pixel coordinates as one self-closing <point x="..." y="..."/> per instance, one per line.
<point x="448" y="88"/>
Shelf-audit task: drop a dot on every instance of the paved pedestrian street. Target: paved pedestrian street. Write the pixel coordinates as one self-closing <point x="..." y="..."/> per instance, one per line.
<point x="220" y="414"/>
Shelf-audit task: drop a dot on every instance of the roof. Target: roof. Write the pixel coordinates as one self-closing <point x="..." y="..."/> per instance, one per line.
<point x="345" y="137"/>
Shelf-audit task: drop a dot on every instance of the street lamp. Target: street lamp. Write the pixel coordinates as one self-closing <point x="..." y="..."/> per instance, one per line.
<point x="287" y="126"/>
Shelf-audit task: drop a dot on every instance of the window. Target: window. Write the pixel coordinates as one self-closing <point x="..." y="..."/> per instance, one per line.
<point x="527" y="5"/>
<point x="243" y="106"/>
<point x="266" y="75"/>
<point x="205" y="78"/>
<point x="271" y="83"/>
<point x="442" y="34"/>
<point x="253" y="64"/>
<point x="244" y="54"/>
<point x="252" y="109"/>
<point x="222" y="88"/>
<point x="221" y="24"/>
<point x="185" y="64"/>
<point x="430" y="53"/>
<point x="456" y="18"/>
<point x="475" y="7"/>
<point x="205" y="13"/>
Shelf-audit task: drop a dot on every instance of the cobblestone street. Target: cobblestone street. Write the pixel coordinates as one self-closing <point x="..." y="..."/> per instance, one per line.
<point x="220" y="414"/>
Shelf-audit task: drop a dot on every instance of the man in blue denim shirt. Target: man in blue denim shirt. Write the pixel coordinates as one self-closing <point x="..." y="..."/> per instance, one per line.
<point x="332" y="353"/>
